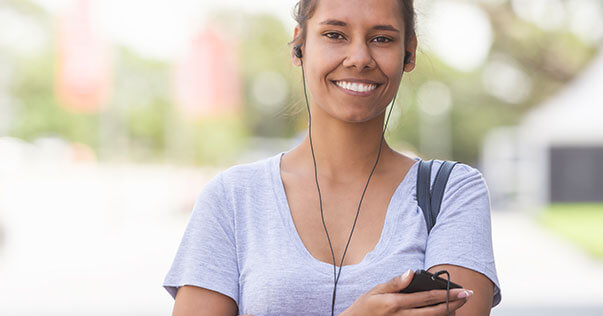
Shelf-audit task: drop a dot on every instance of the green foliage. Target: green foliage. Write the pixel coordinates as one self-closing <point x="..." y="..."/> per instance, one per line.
<point x="141" y="103"/>
<point x="141" y="118"/>
<point x="579" y="223"/>
<point x="215" y="140"/>
<point x="264" y="49"/>
<point x="39" y="113"/>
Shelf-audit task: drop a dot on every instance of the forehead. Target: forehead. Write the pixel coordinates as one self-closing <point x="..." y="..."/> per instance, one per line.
<point x="352" y="12"/>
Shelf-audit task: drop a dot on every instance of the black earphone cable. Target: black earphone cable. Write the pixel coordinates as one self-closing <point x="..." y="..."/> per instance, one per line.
<point x="316" y="177"/>
<point x="336" y="274"/>
<point x="435" y="275"/>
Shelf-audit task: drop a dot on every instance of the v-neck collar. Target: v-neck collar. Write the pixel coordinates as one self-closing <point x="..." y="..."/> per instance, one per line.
<point x="324" y="267"/>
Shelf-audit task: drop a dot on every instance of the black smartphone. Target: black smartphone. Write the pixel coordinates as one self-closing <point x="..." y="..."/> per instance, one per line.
<point x="425" y="281"/>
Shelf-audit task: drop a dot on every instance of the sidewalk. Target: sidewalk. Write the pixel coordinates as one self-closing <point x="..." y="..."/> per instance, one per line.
<point x="541" y="273"/>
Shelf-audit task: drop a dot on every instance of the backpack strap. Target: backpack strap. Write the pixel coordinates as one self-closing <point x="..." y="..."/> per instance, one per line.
<point x="430" y="198"/>
<point x="423" y="190"/>
<point x="439" y="185"/>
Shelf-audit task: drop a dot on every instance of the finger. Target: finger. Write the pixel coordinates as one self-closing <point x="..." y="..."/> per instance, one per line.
<point x="394" y="285"/>
<point x="433" y="297"/>
<point x="440" y="309"/>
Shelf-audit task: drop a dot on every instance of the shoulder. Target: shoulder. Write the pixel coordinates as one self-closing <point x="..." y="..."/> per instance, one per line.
<point x="463" y="177"/>
<point x="466" y="193"/>
<point x="238" y="183"/>
<point x="466" y="203"/>
<point x="248" y="175"/>
<point x="241" y="181"/>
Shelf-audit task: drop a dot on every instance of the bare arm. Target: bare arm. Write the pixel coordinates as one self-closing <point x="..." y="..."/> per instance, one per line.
<point x="483" y="289"/>
<point x="197" y="301"/>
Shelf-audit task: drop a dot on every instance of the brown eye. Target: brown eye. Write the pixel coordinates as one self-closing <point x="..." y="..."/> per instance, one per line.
<point x="382" y="39"/>
<point x="334" y="35"/>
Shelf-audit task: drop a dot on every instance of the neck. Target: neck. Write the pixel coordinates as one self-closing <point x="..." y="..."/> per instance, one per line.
<point x="346" y="151"/>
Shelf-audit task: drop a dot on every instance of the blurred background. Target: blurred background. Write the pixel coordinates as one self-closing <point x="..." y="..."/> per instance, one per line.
<point x="115" y="113"/>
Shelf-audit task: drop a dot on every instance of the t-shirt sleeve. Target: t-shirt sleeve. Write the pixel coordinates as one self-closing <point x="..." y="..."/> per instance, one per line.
<point x="207" y="254"/>
<point x="462" y="234"/>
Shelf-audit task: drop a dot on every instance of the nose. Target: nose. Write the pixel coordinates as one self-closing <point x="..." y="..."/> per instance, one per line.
<point x="359" y="57"/>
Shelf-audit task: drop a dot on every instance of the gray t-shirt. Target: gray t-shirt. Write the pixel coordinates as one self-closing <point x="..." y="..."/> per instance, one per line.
<point x="241" y="241"/>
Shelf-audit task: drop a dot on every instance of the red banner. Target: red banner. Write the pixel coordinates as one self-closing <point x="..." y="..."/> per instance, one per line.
<point x="207" y="80"/>
<point x="83" y="76"/>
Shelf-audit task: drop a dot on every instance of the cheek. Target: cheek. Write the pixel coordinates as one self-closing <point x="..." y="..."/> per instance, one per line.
<point x="390" y="64"/>
<point x="324" y="60"/>
<point x="323" y="57"/>
<point x="321" y="65"/>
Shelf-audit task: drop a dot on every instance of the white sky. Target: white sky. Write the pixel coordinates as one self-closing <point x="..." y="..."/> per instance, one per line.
<point x="161" y="28"/>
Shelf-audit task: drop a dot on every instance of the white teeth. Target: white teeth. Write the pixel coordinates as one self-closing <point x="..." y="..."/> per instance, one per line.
<point x="356" y="86"/>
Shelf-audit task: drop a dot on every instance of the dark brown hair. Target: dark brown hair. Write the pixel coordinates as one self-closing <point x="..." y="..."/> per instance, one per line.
<point x="304" y="9"/>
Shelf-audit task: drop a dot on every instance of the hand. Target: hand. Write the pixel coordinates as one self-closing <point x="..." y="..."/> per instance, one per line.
<point x="384" y="299"/>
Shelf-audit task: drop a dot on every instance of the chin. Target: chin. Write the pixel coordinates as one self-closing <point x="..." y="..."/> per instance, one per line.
<point x="355" y="116"/>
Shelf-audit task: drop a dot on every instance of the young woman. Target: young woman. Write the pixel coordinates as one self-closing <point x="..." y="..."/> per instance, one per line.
<point x="257" y="243"/>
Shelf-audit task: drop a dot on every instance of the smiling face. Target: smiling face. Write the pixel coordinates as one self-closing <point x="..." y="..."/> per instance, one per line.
<point x="353" y="57"/>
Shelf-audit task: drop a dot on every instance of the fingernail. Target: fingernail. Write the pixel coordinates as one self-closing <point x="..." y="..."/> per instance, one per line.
<point x="405" y="275"/>
<point x="465" y="294"/>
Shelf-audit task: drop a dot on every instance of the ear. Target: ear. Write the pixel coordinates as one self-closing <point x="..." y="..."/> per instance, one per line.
<point x="294" y="60"/>
<point x="411" y="46"/>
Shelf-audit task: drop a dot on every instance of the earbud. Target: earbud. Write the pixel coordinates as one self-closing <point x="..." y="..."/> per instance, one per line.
<point x="297" y="51"/>
<point x="407" y="57"/>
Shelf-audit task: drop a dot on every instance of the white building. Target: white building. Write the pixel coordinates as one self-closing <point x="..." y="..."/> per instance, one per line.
<point x="556" y="153"/>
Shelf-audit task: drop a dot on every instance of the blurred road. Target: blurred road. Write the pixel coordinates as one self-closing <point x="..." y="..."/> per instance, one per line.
<point x="542" y="274"/>
<point x="93" y="239"/>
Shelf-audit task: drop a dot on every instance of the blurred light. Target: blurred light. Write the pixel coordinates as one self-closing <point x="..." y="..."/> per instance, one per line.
<point x="154" y="29"/>
<point x="52" y="6"/>
<point x="269" y="90"/>
<point x="504" y="79"/>
<point x="82" y="153"/>
<point x="400" y="108"/>
<point x="547" y="14"/>
<point x="586" y="19"/>
<point x="21" y="34"/>
<point x="7" y="112"/>
<point x="494" y="2"/>
<point x="7" y="102"/>
<point x="53" y="150"/>
<point x="15" y="153"/>
<point x="459" y="33"/>
<point x="434" y="98"/>
<point x="6" y="71"/>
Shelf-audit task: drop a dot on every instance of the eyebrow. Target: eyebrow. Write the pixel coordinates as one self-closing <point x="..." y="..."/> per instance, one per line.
<point x="385" y="27"/>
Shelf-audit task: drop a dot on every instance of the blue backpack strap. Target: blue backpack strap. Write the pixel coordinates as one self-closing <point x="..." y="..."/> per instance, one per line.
<point x="439" y="185"/>
<point x="423" y="191"/>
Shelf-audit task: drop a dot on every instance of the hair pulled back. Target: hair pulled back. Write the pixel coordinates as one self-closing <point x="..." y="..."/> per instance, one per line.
<point x="304" y="9"/>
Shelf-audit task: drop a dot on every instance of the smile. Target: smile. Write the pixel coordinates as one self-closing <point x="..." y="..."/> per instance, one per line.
<point x="356" y="88"/>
